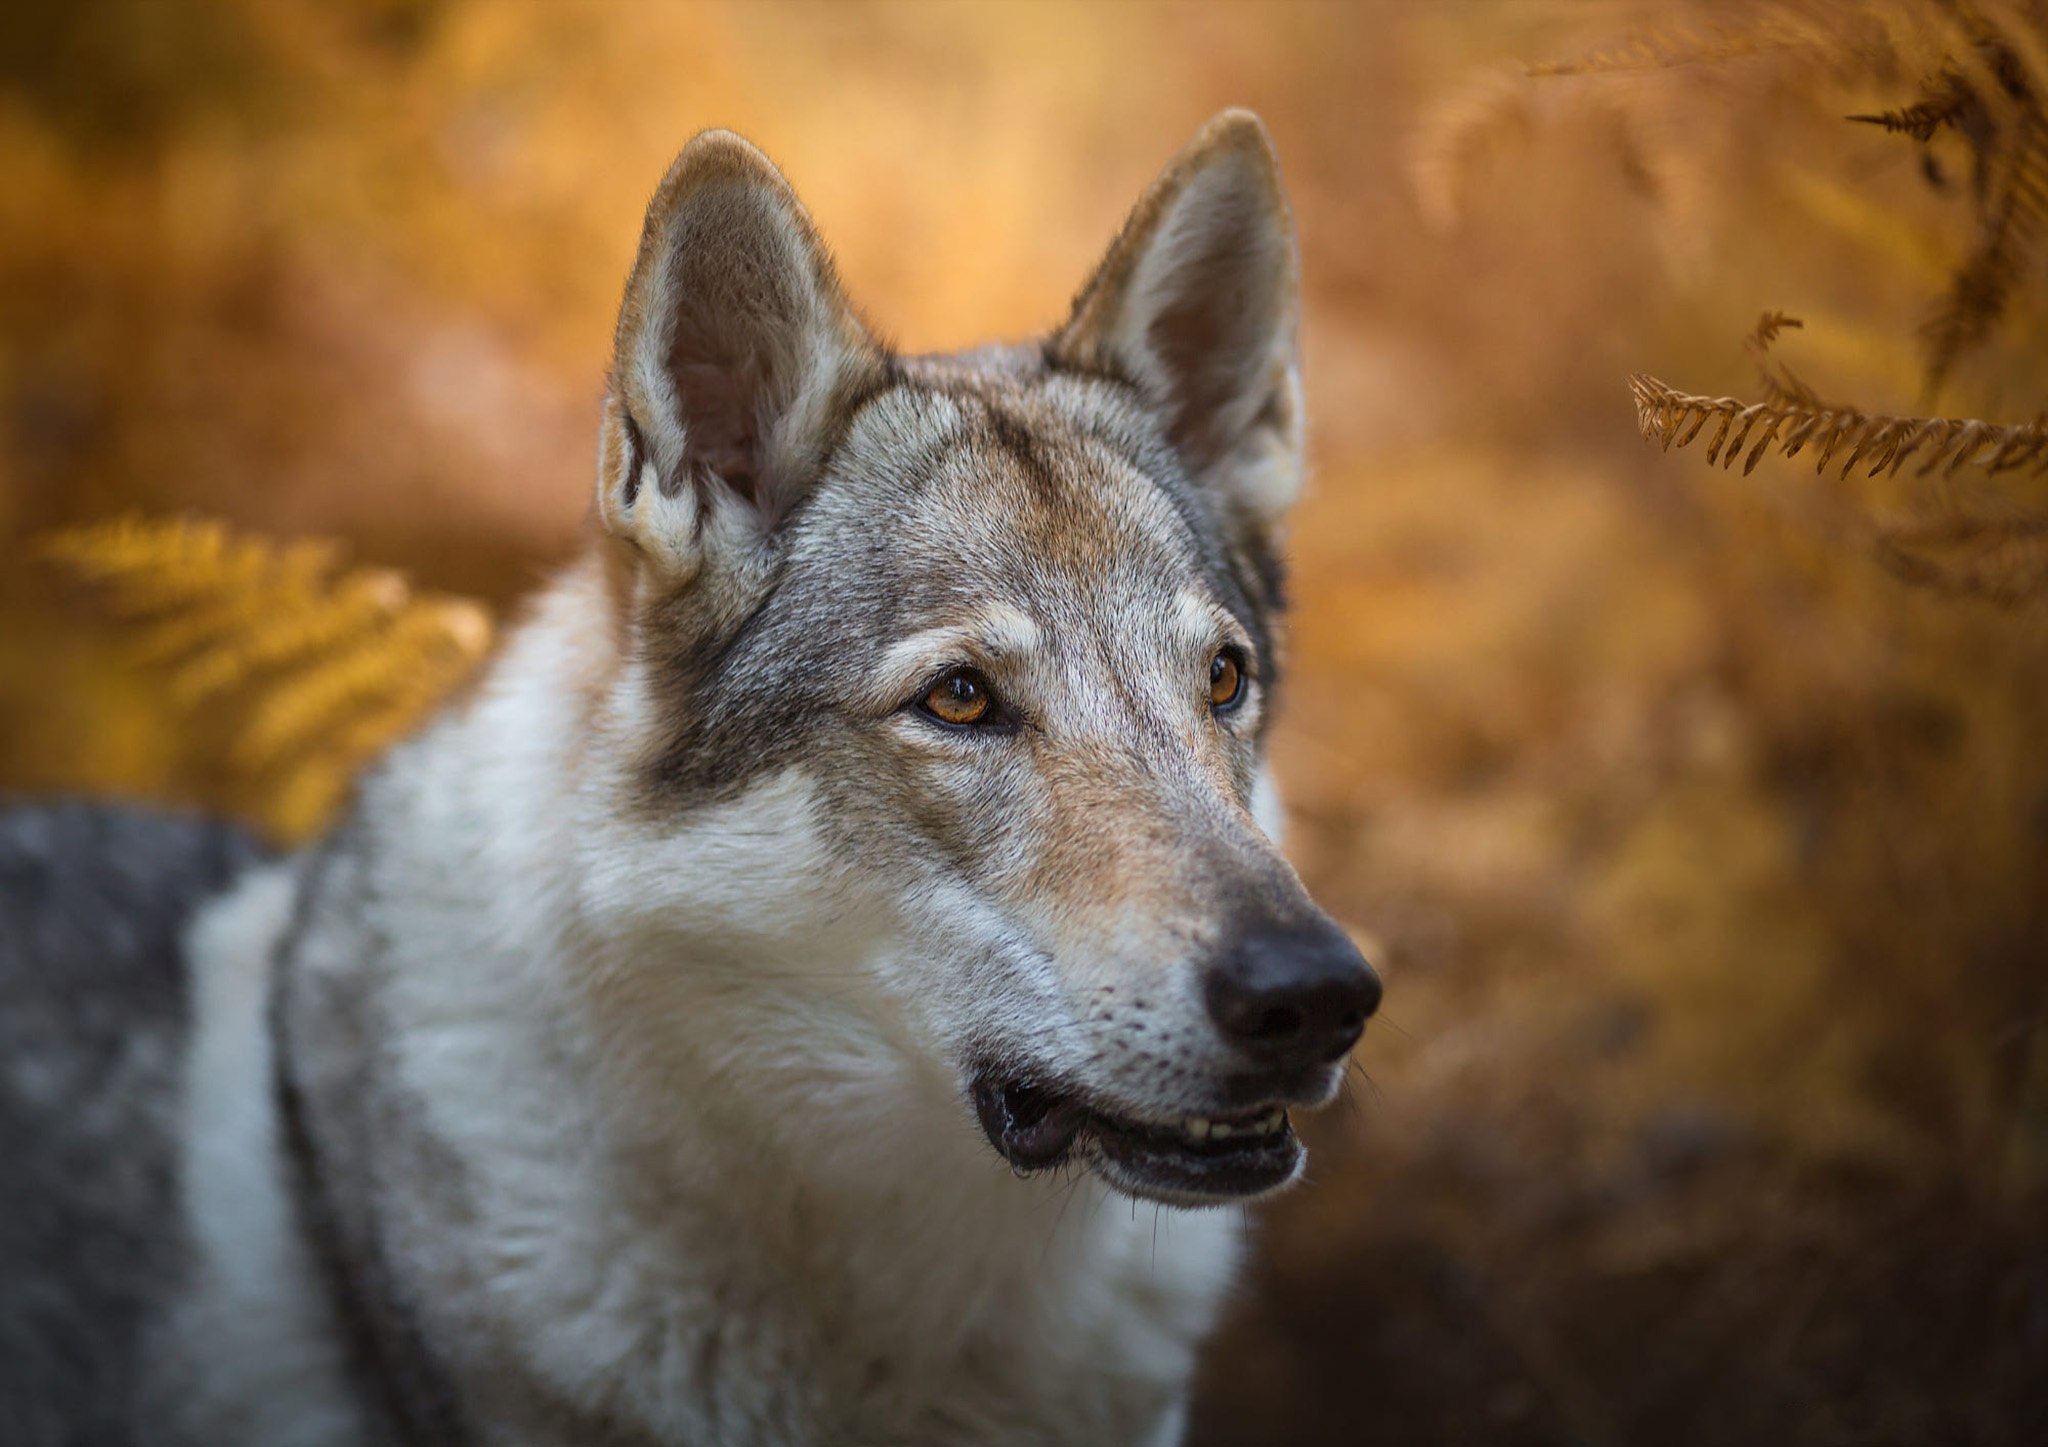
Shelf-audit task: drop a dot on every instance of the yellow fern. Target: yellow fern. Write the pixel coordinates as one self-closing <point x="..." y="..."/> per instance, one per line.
<point x="295" y="670"/>
<point x="148" y="566"/>
<point x="309" y="707"/>
<point x="358" y="606"/>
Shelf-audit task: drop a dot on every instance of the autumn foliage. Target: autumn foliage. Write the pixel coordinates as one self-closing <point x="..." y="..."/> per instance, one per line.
<point x="1698" y="817"/>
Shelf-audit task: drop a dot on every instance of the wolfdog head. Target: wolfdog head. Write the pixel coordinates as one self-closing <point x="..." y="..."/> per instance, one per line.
<point x="945" y="682"/>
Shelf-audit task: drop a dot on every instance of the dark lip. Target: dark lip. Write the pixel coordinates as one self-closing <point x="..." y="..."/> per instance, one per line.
<point x="1038" y="1127"/>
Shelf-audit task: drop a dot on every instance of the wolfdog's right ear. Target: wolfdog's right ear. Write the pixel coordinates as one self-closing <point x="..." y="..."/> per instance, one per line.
<point x="735" y="353"/>
<point x="1195" y="304"/>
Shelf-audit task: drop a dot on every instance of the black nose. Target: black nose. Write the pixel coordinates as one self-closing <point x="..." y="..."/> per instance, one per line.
<point x="1293" y="996"/>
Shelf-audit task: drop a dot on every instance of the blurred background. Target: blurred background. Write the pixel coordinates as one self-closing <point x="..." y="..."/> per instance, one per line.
<point x="1698" y="819"/>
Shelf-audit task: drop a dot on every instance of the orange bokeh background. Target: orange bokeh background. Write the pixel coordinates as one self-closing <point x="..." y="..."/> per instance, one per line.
<point x="1706" y="857"/>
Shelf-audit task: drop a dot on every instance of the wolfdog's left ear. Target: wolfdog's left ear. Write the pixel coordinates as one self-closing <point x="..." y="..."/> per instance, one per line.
<point x="1196" y="304"/>
<point x="736" y="351"/>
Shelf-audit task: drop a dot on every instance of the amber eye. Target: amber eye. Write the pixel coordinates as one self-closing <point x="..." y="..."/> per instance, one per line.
<point x="961" y="697"/>
<point x="1226" y="679"/>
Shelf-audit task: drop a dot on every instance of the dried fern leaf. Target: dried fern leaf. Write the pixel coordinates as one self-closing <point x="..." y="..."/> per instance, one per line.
<point x="1846" y="41"/>
<point x="1460" y="138"/>
<point x="1781" y="384"/>
<point x="2002" y="559"/>
<point x="1945" y="444"/>
<point x="1984" y="75"/>
<point x="1669" y="46"/>
<point x="1946" y="99"/>
<point x="1769" y="325"/>
<point x="1989" y="94"/>
<point x="2012" y="219"/>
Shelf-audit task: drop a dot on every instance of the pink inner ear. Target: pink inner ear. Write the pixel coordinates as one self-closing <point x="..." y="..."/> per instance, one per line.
<point x="723" y="434"/>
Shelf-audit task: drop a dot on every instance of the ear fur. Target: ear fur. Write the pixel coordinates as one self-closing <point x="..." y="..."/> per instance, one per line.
<point x="1196" y="304"/>
<point x="735" y="355"/>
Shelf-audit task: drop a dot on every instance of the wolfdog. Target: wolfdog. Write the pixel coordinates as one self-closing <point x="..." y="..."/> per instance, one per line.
<point x="733" y="1021"/>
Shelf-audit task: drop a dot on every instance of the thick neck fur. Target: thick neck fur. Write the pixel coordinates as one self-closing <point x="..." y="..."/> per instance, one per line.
<point x="621" y="1130"/>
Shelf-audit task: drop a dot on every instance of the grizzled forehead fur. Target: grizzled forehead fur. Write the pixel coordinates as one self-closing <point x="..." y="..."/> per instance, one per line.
<point x="996" y="477"/>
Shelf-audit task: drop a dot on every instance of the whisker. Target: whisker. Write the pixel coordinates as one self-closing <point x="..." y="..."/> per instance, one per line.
<point x="1350" y="1066"/>
<point x="1345" y="1097"/>
<point x="1066" y="1199"/>
<point x="1386" y="1021"/>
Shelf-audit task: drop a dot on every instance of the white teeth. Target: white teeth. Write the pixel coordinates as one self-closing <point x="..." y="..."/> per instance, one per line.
<point x="1201" y="1128"/>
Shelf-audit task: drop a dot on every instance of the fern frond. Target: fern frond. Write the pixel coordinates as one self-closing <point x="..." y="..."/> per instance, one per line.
<point x="1946" y="99"/>
<point x="357" y="606"/>
<point x="1990" y="94"/>
<point x="317" y="668"/>
<point x="1781" y="384"/>
<point x="407" y="660"/>
<point x="2013" y="216"/>
<point x="146" y="566"/>
<point x="1943" y="444"/>
<point x="1984" y="74"/>
<point x="2003" y="559"/>
<point x="1459" y="138"/>
<point x="168" y="636"/>
<point x="1769" y="325"/>
<point x="1671" y="46"/>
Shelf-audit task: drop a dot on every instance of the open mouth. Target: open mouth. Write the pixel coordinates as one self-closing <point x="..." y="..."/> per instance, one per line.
<point x="1191" y="1160"/>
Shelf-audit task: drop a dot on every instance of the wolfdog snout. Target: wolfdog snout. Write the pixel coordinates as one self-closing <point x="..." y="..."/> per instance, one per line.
<point x="1293" y="995"/>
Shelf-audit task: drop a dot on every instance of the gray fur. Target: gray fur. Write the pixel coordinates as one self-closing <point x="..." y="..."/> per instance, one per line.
<point x="976" y="509"/>
<point x="92" y="1028"/>
<point x="332" y="1139"/>
<point x="618" y="1076"/>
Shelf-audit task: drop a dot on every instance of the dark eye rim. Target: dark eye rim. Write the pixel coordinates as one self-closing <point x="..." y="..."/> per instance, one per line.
<point x="997" y="718"/>
<point x="1242" y="664"/>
